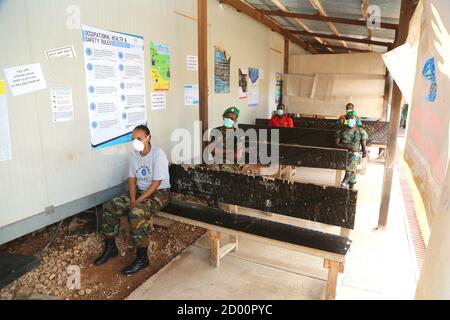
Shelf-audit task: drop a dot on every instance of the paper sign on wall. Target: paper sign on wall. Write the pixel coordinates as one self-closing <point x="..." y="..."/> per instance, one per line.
<point x="191" y="95"/>
<point x="192" y="63"/>
<point x="158" y="100"/>
<point x="25" y="79"/>
<point x="62" y="104"/>
<point x="253" y="87"/>
<point x="5" y="138"/>
<point x="63" y="52"/>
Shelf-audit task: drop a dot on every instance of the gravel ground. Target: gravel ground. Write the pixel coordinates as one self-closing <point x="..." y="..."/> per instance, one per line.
<point x="78" y="245"/>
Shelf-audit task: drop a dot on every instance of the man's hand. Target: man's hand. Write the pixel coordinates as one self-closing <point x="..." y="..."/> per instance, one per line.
<point x="132" y="204"/>
<point x="364" y="155"/>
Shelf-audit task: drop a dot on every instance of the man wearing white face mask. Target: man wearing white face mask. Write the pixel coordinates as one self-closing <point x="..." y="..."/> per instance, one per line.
<point x="149" y="191"/>
<point x="353" y="139"/>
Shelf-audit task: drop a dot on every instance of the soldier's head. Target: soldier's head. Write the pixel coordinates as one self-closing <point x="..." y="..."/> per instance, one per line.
<point x="350" y="119"/>
<point x="281" y="109"/>
<point x="230" y="117"/>
<point x="349" y="107"/>
<point x="141" y="138"/>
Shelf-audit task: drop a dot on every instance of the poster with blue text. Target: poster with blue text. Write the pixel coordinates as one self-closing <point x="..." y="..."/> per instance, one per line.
<point x="115" y="80"/>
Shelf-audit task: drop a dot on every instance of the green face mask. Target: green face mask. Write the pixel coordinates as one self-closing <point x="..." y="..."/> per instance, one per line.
<point x="280" y="112"/>
<point x="228" y="123"/>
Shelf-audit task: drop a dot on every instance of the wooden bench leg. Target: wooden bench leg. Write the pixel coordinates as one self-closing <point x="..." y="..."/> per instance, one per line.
<point x="234" y="240"/>
<point x="334" y="268"/>
<point x="364" y="165"/>
<point x="345" y="232"/>
<point x="214" y="238"/>
<point x="290" y="170"/>
<point x="339" y="178"/>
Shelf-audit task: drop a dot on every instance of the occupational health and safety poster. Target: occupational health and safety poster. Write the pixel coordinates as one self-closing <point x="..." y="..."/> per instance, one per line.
<point x="115" y="80"/>
<point x="222" y="62"/>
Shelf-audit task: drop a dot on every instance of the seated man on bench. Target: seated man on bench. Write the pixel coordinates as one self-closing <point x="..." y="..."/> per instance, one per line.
<point x="351" y="138"/>
<point x="149" y="191"/>
<point x="227" y="143"/>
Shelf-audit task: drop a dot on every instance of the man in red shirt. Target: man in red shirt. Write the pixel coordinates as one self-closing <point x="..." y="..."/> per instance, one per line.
<point x="281" y="119"/>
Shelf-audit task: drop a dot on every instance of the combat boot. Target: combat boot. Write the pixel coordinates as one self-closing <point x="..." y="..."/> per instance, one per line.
<point x="346" y="181"/>
<point x="139" y="263"/>
<point x="109" y="252"/>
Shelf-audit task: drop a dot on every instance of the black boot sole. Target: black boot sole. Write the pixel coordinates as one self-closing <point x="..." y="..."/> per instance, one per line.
<point x="106" y="260"/>
<point x="129" y="273"/>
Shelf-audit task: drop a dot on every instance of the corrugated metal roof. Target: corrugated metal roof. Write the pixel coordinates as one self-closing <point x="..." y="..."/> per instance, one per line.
<point x="348" y="9"/>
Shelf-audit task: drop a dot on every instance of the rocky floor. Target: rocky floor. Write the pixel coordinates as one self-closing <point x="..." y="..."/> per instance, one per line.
<point x="78" y="244"/>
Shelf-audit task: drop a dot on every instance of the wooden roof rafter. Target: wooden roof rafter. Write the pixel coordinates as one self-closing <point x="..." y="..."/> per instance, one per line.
<point x="250" y="11"/>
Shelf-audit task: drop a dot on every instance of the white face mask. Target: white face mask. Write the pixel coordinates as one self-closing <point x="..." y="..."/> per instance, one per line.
<point x="351" y="123"/>
<point x="138" y="146"/>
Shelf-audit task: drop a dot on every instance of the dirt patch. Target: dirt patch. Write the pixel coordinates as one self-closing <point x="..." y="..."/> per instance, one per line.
<point x="78" y="245"/>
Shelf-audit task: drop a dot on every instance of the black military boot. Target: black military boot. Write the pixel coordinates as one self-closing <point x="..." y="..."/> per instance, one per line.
<point x="109" y="252"/>
<point x="346" y="181"/>
<point x="139" y="263"/>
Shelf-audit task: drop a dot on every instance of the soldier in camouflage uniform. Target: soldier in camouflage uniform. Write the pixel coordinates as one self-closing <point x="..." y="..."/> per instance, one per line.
<point x="227" y="143"/>
<point x="353" y="139"/>
<point x="149" y="190"/>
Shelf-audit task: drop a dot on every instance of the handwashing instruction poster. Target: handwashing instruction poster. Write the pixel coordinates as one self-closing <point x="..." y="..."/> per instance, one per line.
<point x="115" y="80"/>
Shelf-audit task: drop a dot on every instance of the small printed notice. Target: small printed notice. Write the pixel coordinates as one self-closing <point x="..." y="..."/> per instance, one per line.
<point x="191" y="95"/>
<point x="25" y="79"/>
<point x="63" y="52"/>
<point x="158" y="100"/>
<point x="192" y="63"/>
<point x="62" y="104"/>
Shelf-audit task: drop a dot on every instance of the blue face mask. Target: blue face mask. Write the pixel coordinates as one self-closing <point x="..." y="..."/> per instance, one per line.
<point x="280" y="112"/>
<point x="228" y="123"/>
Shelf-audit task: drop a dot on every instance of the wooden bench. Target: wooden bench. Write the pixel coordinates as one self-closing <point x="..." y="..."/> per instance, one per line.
<point x="378" y="131"/>
<point x="326" y="205"/>
<point x="300" y="147"/>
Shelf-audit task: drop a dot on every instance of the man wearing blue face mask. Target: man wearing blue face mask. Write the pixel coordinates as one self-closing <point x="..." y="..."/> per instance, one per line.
<point x="352" y="138"/>
<point x="281" y="118"/>
<point x="149" y="190"/>
<point x="227" y="142"/>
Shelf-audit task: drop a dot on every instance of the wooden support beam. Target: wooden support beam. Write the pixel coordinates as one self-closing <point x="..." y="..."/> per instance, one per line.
<point x="286" y="56"/>
<point x="318" y="6"/>
<point x="351" y="49"/>
<point x="317" y="17"/>
<point x="299" y="22"/>
<point x="386" y="96"/>
<point x="349" y="39"/>
<point x="406" y="12"/>
<point x="262" y="18"/>
<point x="365" y="15"/>
<point x="202" y="24"/>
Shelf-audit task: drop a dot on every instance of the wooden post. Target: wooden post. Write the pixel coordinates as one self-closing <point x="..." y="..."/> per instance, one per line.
<point x="202" y="12"/>
<point x="406" y="12"/>
<point x="286" y="56"/>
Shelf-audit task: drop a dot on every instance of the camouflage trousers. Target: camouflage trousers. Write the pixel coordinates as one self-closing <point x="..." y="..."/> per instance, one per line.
<point x="138" y="217"/>
<point x="353" y="160"/>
